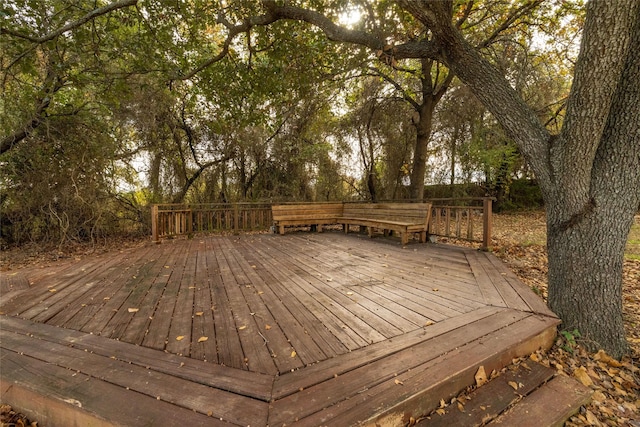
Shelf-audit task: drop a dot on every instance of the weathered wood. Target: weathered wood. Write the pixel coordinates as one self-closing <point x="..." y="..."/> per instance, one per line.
<point x="333" y="304"/>
<point x="254" y="385"/>
<point x="491" y="399"/>
<point x="550" y="405"/>
<point x="349" y="385"/>
<point x="418" y="391"/>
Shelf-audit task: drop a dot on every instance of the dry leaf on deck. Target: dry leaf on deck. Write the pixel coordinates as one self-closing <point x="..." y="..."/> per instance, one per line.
<point x="132" y="310"/>
<point x="199" y="313"/>
<point x="514" y="385"/>
<point x="398" y="382"/>
<point x="242" y="327"/>
<point x="203" y="339"/>
<point x="179" y="337"/>
<point x="267" y="327"/>
<point x="293" y="353"/>
<point x="481" y="376"/>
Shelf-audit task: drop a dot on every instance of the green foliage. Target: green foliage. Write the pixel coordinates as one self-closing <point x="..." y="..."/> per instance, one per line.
<point x="111" y="122"/>
<point x="569" y="342"/>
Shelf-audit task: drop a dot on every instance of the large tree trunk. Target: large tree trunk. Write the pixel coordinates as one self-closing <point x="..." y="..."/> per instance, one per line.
<point x="420" y="154"/>
<point x="586" y="252"/>
<point x="585" y="274"/>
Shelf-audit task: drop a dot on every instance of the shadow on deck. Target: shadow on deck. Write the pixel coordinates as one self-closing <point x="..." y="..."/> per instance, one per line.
<point x="319" y="329"/>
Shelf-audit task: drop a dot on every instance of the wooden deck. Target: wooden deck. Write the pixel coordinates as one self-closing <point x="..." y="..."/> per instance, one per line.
<point x="319" y="329"/>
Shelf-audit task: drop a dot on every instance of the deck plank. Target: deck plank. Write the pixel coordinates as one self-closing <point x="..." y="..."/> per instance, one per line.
<point x="203" y="321"/>
<point x="325" y="328"/>
<point x="182" y="313"/>
<point x="352" y="383"/>
<point x="238" y="381"/>
<point x="182" y="393"/>
<point x="419" y="390"/>
<point x="54" y="393"/>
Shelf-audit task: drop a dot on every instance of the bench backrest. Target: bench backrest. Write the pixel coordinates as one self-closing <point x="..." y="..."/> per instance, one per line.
<point x="414" y="213"/>
<point x="306" y="211"/>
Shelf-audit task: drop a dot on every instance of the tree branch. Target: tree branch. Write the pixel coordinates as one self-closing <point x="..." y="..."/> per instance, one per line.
<point x="513" y="16"/>
<point x="70" y="26"/>
<point x="397" y="86"/>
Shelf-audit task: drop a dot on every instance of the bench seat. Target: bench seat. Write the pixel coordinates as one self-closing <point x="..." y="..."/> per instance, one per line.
<point x="403" y="218"/>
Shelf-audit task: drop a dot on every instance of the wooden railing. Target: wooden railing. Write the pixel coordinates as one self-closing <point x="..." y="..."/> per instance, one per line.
<point x="170" y="220"/>
<point x="463" y="218"/>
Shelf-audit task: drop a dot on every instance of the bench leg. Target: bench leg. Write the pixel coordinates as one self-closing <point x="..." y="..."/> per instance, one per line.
<point x="319" y="228"/>
<point x="281" y="229"/>
<point x="345" y="227"/>
<point x="370" y="231"/>
<point x="423" y="237"/>
<point x="405" y="237"/>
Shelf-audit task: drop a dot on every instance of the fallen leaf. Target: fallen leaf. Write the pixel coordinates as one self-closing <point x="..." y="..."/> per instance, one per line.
<point x="440" y="411"/>
<point x="604" y="357"/>
<point x="203" y="339"/>
<point x="349" y="293"/>
<point x="460" y="407"/>
<point x="481" y="376"/>
<point x="199" y="313"/>
<point x="242" y="327"/>
<point x="443" y="403"/>
<point x="132" y="310"/>
<point x="398" y="382"/>
<point x="293" y="353"/>
<point x="513" y="384"/>
<point x="52" y="290"/>
<point x="592" y="419"/>
<point x="429" y="323"/>
<point x="581" y="375"/>
<point x="435" y="289"/>
<point x="267" y="327"/>
<point x="179" y="337"/>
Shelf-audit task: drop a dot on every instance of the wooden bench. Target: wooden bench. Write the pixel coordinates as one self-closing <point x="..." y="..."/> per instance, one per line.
<point x="309" y="214"/>
<point x="403" y="218"/>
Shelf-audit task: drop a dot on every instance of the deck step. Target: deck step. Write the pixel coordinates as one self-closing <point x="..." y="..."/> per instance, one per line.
<point x="541" y="399"/>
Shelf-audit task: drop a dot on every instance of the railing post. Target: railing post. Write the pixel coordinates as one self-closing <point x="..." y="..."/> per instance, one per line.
<point x="154" y="224"/>
<point x="236" y="219"/>
<point x="487" y="223"/>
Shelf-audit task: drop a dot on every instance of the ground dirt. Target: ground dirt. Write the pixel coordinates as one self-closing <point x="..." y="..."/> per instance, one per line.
<point x="519" y="240"/>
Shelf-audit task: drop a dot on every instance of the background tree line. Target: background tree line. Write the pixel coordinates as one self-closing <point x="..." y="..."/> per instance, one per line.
<point x="114" y="114"/>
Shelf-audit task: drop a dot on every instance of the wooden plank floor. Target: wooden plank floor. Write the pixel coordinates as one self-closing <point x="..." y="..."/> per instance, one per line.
<point x="319" y="328"/>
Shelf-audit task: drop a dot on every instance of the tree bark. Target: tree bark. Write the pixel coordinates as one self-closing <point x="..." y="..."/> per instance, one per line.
<point x="586" y="252"/>
<point x="420" y="154"/>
